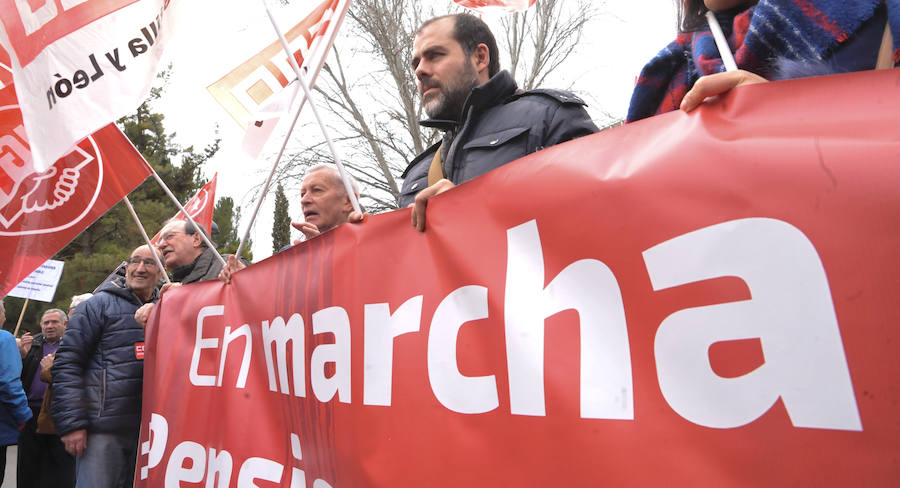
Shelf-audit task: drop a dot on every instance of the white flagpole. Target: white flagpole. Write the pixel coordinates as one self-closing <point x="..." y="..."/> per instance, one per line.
<point x="146" y="239"/>
<point x="721" y="42"/>
<point x="168" y="192"/>
<point x="336" y="20"/>
<point x="189" y="218"/>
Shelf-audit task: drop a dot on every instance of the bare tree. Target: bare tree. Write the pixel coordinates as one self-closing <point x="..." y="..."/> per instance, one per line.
<point x="540" y="39"/>
<point x="370" y="87"/>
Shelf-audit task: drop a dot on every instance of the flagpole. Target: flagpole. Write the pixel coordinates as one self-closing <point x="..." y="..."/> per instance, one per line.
<point x="146" y="239"/>
<point x="721" y="42"/>
<point x="328" y="43"/>
<point x="189" y="218"/>
<point x="302" y="80"/>
<point x="19" y="323"/>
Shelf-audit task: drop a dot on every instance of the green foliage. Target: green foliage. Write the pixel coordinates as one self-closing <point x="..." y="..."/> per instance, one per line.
<point x="227" y="216"/>
<point x="281" y="227"/>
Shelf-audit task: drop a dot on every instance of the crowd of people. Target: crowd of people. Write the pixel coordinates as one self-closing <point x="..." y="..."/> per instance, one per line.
<point x="70" y="396"/>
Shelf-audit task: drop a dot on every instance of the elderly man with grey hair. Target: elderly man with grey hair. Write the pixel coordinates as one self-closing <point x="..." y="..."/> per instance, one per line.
<point x="325" y="204"/>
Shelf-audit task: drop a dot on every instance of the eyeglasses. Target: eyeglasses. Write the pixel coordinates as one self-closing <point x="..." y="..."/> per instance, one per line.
<point x="170" y="235"/>
<point x="148" y="263"/>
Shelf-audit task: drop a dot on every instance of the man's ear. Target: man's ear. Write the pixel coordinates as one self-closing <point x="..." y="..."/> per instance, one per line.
<point x="198" y="241"/>
<point x="481" y="56"/>
<point x="348" y="205"/>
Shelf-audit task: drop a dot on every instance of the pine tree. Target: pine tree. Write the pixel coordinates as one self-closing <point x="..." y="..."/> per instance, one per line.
<point x="227" y="217"/>
<point x="281" y="234"/>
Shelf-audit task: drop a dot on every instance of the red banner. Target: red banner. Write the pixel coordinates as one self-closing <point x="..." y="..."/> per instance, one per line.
<point x="200" y="207"/>
<point x="41" y="211"/>
<point x="488" y="5"/>
<point x="695" y="299"/>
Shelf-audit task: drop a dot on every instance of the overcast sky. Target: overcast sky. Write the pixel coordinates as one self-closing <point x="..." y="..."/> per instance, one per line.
<point x="221" y="34"/>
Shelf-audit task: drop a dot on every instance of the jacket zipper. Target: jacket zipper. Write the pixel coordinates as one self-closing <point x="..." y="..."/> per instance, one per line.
<point x="102" y="392"/>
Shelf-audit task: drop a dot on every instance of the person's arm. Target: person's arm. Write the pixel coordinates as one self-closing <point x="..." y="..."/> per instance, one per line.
<point x="68" y="408"/>
<point x="24" y="344"/>
<point x="46" y="364"/>
<point x="12" y="395"/>
<point x="717" y="84"/>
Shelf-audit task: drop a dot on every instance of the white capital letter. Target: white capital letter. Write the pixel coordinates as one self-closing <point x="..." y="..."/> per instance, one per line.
<point x="200" y="343"/>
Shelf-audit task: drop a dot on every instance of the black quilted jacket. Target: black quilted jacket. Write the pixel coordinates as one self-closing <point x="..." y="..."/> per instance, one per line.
<point x="97" y="378"/>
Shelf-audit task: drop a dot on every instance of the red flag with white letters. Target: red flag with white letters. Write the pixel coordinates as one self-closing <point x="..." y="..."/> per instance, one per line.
<point x="41" y="211"/>
<point x="695" y="299"/>
<point x="200" y="207"/>
<point x="80" y="64"/>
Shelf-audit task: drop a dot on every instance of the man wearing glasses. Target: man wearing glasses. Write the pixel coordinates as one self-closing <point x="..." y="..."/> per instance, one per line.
<point x="185" y="254"/>
<point x="98" y="375"/>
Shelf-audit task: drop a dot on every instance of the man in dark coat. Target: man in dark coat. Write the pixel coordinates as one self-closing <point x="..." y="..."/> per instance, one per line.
<point x="487" y="122"/>
<point x="186" y="255"/>
<point x="42" y="459"/>
<point x="98" y="376"/>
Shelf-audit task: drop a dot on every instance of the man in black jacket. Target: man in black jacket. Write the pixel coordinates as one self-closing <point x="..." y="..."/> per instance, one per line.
<point x="98" y="376"/>
<point x="487" y="122"/>
<point x="42" y="460"/>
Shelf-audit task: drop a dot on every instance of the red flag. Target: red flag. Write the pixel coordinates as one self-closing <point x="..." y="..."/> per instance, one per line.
<point x="488" y="5"/>
<point x="200" y="207"/>
<point x="40" y="212"/>
<point x="696" y="299"/>
<point x="80" y="64"/>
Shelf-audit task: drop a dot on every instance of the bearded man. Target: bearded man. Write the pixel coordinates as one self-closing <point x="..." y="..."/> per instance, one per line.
<point x="486" y="120"/>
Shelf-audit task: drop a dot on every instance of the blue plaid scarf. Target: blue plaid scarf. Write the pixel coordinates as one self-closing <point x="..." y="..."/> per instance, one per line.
<point x="798" y="30"/>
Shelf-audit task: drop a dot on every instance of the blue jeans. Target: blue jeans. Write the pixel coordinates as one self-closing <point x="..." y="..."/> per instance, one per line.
<point x="107" y="461"/>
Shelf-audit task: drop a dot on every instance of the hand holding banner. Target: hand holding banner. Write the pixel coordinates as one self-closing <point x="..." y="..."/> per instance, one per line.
<point x="651" y="305"/>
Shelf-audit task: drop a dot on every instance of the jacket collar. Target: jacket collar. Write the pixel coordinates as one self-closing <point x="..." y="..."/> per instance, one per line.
<point x="194" y="271"/>
<point x="494" y="92"/>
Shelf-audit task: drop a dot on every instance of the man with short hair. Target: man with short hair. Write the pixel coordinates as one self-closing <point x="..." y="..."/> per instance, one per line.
<point x="487" y="122"/>
<point x="98" y="376"/>
<point x="14" y="411"/>
<point x="42" y="459"/>
<point x="324" y="201"/>
<point x="325" y="204"/>
<point x="186" y="254"/>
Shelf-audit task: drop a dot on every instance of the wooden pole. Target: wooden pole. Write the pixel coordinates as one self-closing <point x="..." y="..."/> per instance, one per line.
<point x="19" y="323"/>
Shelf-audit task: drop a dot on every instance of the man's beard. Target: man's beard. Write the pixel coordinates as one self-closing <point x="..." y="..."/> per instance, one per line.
<point x="449" y="101"/>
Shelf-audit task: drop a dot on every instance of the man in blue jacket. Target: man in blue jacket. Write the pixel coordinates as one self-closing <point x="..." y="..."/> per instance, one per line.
<point x="98" y="376"/>
<point x="14" y="410"/>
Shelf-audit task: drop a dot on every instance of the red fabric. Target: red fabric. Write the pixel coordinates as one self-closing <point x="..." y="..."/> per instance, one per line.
<point x="200" y="207"/>
<point x="510" y="5"/>
<point x="41" y="212"/>
<point x="809" y="163"/>
<point x="56" y="22"/>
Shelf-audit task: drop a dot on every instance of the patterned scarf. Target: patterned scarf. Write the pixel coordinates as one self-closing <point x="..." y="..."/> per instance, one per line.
<point x="801" y="30"/>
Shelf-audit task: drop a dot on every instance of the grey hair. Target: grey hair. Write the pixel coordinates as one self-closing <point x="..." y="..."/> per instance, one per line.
<point x="337" y="177"/>
<point x="62" y="315"/>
